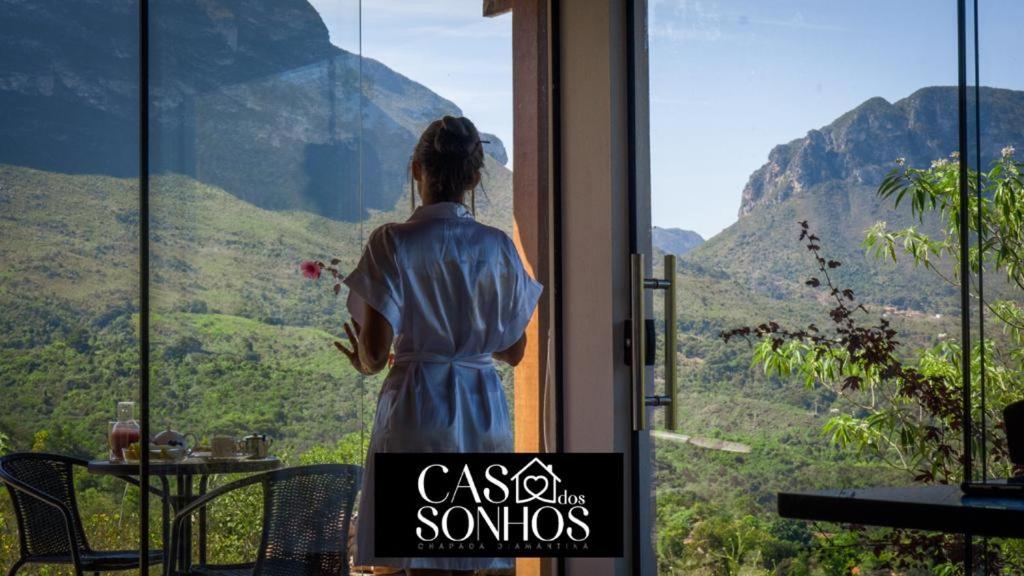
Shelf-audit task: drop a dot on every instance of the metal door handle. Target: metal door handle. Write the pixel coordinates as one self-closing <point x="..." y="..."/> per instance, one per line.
<point x="638" y="341"/>
<point x="670" y="341"/>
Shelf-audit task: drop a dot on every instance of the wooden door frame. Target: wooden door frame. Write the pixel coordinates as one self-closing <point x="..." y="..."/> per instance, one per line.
<point x="537" y="398"/>
<point x="582" y="204"/>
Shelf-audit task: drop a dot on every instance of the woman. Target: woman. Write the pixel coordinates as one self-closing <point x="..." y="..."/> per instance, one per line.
<point x="452" y="295"/>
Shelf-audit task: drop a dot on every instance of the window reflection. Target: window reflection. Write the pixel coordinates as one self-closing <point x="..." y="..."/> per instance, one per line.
<point x="69" y="248"/>
<point x="272" y="141"/>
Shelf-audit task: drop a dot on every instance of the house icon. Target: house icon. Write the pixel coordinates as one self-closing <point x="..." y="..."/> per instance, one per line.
<point x="536" y="481"/>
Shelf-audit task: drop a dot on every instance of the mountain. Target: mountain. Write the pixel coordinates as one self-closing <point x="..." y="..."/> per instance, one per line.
<point x="247" y="96"/>
<point x="859" y="147"/>
<point x="675" y="240"/>
<point x="268" y="146"/>
<point x="261" y="148"/>
<point x="830" y="178"/>
<point x="228" y="302"/>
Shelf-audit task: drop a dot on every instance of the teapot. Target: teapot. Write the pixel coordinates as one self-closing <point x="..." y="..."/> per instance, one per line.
<point x="256" y="445"/>
<point x="172" y="438"/>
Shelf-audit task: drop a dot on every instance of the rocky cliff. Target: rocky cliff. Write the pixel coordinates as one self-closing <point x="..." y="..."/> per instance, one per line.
<point x="247" y="95"/>
<point x="860" y="147"/>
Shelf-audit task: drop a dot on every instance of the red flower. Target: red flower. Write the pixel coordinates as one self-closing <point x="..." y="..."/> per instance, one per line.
<point x="310" y="269"/>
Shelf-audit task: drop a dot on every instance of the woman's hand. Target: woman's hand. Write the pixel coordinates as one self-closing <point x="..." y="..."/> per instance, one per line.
<point x="352" y="330"/>
<point x="370" y="344"/>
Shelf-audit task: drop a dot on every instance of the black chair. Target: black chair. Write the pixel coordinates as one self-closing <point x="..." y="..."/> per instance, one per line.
<point x="42" y="489"/>
<point x="306" y="514"/>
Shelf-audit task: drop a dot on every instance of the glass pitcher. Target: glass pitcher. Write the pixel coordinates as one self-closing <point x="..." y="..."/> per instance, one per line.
<point x="124" y="432"/>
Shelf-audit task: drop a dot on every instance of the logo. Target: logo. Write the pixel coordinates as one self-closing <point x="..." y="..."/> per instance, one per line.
<point x="498" y="505"/>
<point x="536" y="481"/>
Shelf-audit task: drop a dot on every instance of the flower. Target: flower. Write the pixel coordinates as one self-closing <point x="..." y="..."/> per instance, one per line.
<point x="901" y="161"/>
<point x="310" y="269"/>
<point x="1008" y="151"/>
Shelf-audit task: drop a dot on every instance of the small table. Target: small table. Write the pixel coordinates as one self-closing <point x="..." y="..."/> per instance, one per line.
<point x="932" y="508"/>
<point x="184" y="471"/>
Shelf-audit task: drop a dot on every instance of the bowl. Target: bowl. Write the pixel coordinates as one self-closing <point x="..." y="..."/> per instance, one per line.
<point x="168" y="453"/>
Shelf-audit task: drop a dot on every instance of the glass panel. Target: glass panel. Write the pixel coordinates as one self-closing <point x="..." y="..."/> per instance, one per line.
<point x="995" y="141"/>
<point x="69" y="194"/>
<point x="258" y="164"/>
<point x="975" y="158"/>
<point x="275" y="142"/>
<point x="995" y="136"/>
<point x="765" y="116"/>
<point x="426" y="59"/>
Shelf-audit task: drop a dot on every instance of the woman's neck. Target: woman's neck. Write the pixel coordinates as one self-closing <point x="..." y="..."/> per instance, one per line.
<point x="427" y="201"/>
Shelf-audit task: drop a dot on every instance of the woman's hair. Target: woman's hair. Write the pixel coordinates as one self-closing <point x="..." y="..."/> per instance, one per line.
<point x="452" y="154"/>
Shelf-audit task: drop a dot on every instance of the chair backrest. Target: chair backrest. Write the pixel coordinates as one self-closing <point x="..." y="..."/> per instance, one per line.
<point x="306" y="514"/>
<point x="42" y="528"/>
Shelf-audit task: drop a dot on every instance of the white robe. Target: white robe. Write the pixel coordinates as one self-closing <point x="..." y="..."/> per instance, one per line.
<point x="455" y="291"/>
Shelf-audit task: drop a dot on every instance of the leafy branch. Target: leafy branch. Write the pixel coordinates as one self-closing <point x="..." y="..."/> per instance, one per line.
<point x="856" y="355"/>
<point x="995" y="216"/>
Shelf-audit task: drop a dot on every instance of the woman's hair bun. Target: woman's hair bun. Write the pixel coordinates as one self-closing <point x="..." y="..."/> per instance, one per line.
<point x="456" y="136"/>
<point x="451" y="152"/>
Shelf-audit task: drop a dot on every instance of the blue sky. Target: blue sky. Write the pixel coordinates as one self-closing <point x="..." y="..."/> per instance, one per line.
<point x="445" y="45"/>
<point x="730" y="79"/>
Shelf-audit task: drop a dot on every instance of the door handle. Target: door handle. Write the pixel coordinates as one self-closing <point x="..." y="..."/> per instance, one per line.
<point x="670" y="341"/>
<point x="638" y="341"/>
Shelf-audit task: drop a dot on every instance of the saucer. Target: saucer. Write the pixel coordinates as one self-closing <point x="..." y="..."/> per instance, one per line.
<point x="209" y="457"/>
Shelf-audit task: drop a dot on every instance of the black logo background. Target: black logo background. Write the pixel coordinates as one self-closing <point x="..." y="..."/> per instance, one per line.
<point x="597" y="477"/>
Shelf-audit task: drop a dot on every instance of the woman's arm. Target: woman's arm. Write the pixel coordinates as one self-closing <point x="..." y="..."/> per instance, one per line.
<point x="514" y="353"/>
<point x="375" y="341"/>
<point x="371" y="342"/>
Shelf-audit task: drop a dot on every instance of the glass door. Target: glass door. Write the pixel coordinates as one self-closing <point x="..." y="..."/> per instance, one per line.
<point x="775" y="129"/>
<point x="275" y="147"/>
<point x="281" y="137"/>
<point x="259" y="205"/>
<point x="69" y="265"/>
<point x="994" y="139"/>
<point x="417" y="74"/>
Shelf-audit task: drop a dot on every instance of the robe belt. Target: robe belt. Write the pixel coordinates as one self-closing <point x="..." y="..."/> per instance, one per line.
<point x="479" y="361"/>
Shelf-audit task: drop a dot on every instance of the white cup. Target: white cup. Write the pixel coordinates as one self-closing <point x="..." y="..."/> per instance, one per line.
<point x="223" y="446"/>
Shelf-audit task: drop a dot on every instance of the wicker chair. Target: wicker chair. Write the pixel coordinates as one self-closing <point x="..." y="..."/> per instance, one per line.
<point x="306" y="512"/>
<point x="42" y="490"/>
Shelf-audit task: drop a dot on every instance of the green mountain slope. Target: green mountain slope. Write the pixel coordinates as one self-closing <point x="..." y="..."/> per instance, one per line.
<point x="75" y="238"/>
<point x="240" y="340"/>
<point x="674" y="240"/>
<point x="761" y="250"/>
<point x="268" y="147"/>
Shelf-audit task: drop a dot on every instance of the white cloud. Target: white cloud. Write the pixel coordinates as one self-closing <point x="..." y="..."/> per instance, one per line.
<point x="707" y="21"/>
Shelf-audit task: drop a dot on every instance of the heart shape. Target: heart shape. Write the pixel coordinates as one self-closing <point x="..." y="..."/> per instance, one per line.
<point x="541" y="483"/>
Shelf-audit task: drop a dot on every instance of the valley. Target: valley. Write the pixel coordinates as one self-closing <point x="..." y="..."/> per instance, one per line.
<point x="292" y="149"/>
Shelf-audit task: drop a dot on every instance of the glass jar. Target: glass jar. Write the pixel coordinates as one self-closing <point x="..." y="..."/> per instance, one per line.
<point x="124" y="432"/>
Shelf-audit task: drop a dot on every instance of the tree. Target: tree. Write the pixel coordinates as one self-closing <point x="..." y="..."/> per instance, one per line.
<point x="903" y="407"/>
